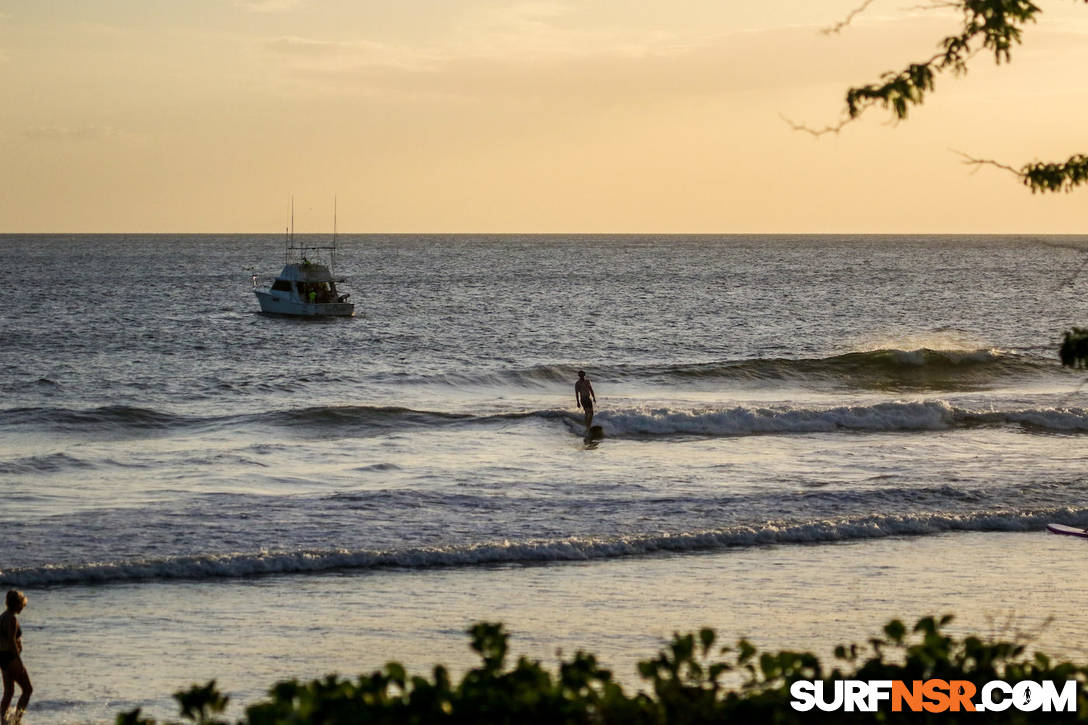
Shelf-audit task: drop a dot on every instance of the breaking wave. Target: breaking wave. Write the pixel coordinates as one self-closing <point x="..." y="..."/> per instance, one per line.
<point x="536" y="551"/>
<point x="635" y="422"/>
<point x="878" y="417"/>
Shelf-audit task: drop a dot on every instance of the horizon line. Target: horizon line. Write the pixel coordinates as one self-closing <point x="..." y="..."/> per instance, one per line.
<point x="550" y="234"/>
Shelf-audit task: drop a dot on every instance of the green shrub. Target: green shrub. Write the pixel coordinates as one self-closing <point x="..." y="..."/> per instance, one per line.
<point x="1074" y="348"/>
<point x="693" y="680"/>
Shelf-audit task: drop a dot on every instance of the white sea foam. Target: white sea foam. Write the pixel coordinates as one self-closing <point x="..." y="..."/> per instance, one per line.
<point x="931" y="415"/>
<point x="934" y="415"/>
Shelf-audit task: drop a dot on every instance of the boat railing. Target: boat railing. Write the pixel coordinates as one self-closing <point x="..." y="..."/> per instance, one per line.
<point x="313" y="253"/>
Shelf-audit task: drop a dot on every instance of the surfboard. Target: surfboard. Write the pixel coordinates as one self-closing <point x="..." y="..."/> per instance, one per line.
<point x="1068" y="530"/>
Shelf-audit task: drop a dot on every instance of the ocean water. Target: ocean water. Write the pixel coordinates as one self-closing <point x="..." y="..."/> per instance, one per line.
<point x="803" y="435"/>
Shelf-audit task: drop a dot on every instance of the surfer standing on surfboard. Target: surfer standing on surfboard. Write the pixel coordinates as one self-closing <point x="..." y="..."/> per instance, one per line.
<point x="584" y="397"/>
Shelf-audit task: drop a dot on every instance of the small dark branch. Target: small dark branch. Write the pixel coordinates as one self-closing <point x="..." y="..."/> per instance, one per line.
<point x="817" y="132"/>
<point x="837" y="27"/>
<point x="1044" y="176"/>
<point x="938" y="5"/>
<point x="978" y="163"/>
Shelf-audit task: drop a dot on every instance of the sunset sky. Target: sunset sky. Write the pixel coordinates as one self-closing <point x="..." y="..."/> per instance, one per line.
<point x="497" y="116"/>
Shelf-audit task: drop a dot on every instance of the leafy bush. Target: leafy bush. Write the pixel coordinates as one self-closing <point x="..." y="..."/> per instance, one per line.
<point x="691" y="681"/>
<point x="1074" y="349"/>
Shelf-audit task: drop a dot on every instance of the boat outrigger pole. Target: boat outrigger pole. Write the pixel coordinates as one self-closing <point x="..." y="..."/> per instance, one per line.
<point x="289" y="233"/>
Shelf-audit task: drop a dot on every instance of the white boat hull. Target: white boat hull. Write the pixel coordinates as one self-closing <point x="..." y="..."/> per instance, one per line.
<point x="281" y="304"/>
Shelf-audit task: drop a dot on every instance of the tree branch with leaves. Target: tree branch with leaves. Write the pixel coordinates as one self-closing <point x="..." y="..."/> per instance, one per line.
<point x="987" y="25"/>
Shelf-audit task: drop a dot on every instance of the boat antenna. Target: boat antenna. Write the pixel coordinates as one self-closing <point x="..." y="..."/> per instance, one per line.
<point x="332" y="260"/>
<point x="287" y="229"/>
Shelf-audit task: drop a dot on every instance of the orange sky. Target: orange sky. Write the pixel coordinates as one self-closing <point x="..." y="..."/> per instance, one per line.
<point x="489" y="116"/>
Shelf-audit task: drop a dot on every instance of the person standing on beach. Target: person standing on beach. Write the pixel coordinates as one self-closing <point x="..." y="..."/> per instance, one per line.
<point x="11" y="663"/>
<point x="584" y="397"/>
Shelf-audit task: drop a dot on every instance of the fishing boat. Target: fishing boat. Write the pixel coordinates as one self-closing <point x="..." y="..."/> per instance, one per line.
<point x="305" y="287"/>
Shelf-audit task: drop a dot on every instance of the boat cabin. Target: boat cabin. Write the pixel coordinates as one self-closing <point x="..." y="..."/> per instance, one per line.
<point x="304" y="289"/>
